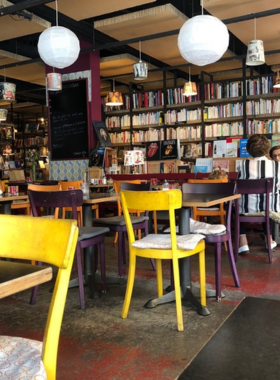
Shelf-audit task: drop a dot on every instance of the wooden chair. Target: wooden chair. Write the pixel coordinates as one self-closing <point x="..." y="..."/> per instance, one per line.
<point x="52" y="242"/>
<point x="75" y="185"/>
<point x="117" y="224"/>
<point x="224" y="237"/>
<point x="159" y="247"/>
<point x="46" y="188"/>
<point x="248" y="188"/>
<point x="199" y="213"/>
<point x="88" y="236"/>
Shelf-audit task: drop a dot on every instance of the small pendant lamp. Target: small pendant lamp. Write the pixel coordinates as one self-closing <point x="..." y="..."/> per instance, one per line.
<point x="189" y="87"/>
<point x="140" y="69"/>
<point x="277" y="81"/>
<point x="54" y="82"/>
<point x="114" y="98"/>
<point x="255" y="51"/>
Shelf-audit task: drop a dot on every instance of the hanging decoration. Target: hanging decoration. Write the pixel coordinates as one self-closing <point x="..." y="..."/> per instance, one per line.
<point x="140" y="69"/>
<point x="255" y="51"/>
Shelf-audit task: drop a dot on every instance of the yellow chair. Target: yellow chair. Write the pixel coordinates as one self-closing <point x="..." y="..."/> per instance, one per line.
<point x="150" y="246"/>
<point x="76" y="185"/>
<point x="50" y="241"/>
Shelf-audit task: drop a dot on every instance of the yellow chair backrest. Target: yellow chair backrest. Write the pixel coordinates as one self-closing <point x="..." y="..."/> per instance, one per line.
<point x="50" y="241"/>
<point x="151" y="201"/>
<point x="221" y="180"/>
<point x="66" y="184"/>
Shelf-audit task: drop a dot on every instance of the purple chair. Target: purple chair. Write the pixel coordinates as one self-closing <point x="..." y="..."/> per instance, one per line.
<point x="218" y="239"/>
<point x="263" y="187"/>
<point x="117" y="224"/>
<point x="88" y="236"/>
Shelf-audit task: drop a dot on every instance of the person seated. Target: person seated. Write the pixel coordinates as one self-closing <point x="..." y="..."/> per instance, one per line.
<point x="275" y="153"/>
<point x="259" y="167"/>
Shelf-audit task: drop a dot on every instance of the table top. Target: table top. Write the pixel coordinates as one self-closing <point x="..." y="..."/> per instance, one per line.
<point x="99" y="185"/>
<point x="6" y="197"/>
<point x="100" y="197"/>
<point x="16" y="277"/>
<point x="206" y="200"/>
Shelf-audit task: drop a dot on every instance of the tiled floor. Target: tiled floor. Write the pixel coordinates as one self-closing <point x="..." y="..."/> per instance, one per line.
<point x="98" y="344"/>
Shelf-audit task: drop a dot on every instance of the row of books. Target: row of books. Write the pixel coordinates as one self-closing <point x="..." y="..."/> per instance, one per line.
<point x="175" y="96"/>
<point x="149" y="135"/>
<point x="262" y="126"/>
<point x="184" y="115"/>
<point x="262" y="85"/>
<point x="263" y="106"/>
<point x="224" y="129"/>
<point x="148" y="99"/>
<point x="184" y="133"/>
<point x="230" y="147"/>
<point x="120" y="137"/>
<point x="147" y="118"/>
<point x="117" y="121"/>
<point x="223" y="110"/>
<point x="222" y="90"/>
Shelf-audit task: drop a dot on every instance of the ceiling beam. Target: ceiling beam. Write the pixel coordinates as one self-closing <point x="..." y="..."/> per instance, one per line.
<point x="21" y="6"/>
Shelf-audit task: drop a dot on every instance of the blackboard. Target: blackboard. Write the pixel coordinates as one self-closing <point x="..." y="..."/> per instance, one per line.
<point x="68" y="111"/>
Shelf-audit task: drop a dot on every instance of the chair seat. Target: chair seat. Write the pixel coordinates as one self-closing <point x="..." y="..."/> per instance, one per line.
<point x="217" y="238"/>
<point x="119" y="220"/>
<point x="208" y="208"/>
<point x="206" y="228"/>
<point x="163" y="241"/>
<point x="18" y="356"/>
<point x="90" y="232"/>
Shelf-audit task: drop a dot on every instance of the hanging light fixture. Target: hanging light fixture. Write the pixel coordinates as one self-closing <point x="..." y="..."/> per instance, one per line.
<point x="140" y="69"/>
<point x="54" y="82"/>
<point x="203" y="39"/>
<point x="7" y="90"/>
<point x="114" y="98"/>
<point x="277" y="81"/>
<point x="189" y="87"/>
<point x="58" y="46"/>
<point x="255" y="51"/>
<point x="3" y="114"/>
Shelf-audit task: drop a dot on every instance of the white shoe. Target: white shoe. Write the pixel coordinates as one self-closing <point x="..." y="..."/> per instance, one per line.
<point x="273" y="245"/>
<point x="243" y="249"/>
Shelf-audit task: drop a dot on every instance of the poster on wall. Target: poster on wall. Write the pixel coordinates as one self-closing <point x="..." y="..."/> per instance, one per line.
<point x="102" y="134"/>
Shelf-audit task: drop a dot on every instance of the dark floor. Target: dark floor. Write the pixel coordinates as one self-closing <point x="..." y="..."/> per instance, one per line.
<point x="98" y="344"/>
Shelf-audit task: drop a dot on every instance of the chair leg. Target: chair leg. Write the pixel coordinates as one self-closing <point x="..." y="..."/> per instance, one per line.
<point x="102" y="266"/>
<point x="178" y="296"/>
<point x="129" y="286"/>
<point x="218" y="250"/>
<point x="232" y="264"/>
<point x="237" y="234"/>
<point x="120" y="252"/>
<point x="202" y="277"/>
<point x="268" y="233"/>
<point x="155" y="222"/>
<point x="80" y="276"/>
<point x="159" y="277"/>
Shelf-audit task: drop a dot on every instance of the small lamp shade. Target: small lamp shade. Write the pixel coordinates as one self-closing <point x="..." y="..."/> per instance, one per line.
<point x="114" y="98"/>
<point x="54" y="82"/>
<point x="255" y="53"/>
<point x="140" y="70"/>
<point x="58" y="47"/>
<point x="277" y="81"/>
<point x="189" y="89"/>
<point x="3" y="114"/>
<point x="203" y="40"/>
<point x="7" y="91"/>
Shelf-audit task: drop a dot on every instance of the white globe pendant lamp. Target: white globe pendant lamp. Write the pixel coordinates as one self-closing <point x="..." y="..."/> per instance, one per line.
<point x="58" y="47"/>
<point x="203" y="39"/>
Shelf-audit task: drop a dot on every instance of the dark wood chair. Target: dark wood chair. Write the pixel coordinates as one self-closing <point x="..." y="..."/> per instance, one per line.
<point x="217" y="239"/>
<point x="88" y="236"/>
<point x="246" y="187"/>
<point x="117" y="224"/>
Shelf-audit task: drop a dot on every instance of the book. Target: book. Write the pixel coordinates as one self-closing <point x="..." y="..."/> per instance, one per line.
<point x="97" y="157"/>
<point x="170" y="149"/>
<point x="168" y="167"/>
<point x="275" y="140"/>
<point x="102" y="133"/>
<point x="231" y="149"/>
<point x="219" y="148"/>
<point x="221" y="165"/>
<point x="153" y="150"/>
<point x="203" y="165"/>
<point x="243" y="150"/>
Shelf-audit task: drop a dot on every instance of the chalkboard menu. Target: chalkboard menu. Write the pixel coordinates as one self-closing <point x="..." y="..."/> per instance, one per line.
<point x="69" y="121"/>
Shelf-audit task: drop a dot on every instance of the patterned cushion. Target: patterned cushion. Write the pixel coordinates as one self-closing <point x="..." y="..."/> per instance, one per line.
<point x="275" y="216"/>
<point x="161" y="241"/>
<point x="21" y="359"/>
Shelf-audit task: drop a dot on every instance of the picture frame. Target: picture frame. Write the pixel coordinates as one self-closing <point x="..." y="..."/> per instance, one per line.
<point x="102" y="134"/>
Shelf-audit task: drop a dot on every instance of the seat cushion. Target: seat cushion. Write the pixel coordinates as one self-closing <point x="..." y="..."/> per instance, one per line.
<point x="21" y="359"/>
<point x="119" y="220"/>
<point x="90" y="232"/>
<point x="206" y="228"/>
<point x="275" y="216"/>
<point x="163" y="241"/>
<point x="208" y="208"/>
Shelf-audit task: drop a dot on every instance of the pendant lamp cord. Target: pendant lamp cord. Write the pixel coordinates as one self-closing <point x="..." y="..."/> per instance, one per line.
<point x="201" y="4"/>
<point x="140" y="50"/>
<point x="255" y="28"/>
<point x="56" y="13"/>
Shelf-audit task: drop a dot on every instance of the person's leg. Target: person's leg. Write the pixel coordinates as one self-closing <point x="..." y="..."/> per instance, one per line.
<point x="273" y="243"/>
<point x="243" y="243"/>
